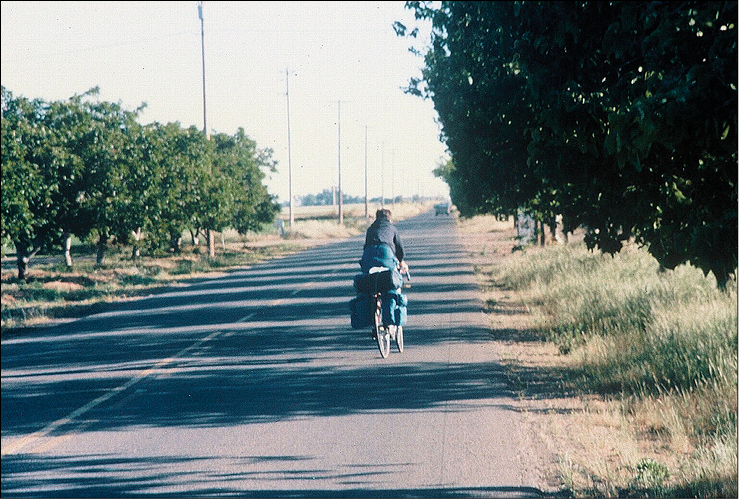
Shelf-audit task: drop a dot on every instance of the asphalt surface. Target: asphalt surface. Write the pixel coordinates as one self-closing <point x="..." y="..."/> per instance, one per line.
<point x="254" y="384"/>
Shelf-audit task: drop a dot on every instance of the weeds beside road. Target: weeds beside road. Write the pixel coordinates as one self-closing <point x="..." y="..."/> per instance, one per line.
<point x="627" y="373"/>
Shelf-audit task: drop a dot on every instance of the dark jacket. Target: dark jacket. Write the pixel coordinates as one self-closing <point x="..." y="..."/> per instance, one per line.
<point x="382" y="231"/>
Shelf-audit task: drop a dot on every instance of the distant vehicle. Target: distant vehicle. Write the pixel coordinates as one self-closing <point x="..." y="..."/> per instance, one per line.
<point x="443" y="209"/>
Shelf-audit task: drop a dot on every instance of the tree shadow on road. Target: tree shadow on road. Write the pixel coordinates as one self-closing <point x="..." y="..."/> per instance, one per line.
<point x="242" y="349"/>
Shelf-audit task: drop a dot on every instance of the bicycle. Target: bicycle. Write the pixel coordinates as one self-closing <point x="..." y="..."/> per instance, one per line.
<point x="382" y="333"/>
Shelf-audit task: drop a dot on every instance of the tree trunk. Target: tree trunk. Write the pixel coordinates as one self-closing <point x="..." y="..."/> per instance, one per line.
<point x="223" y="241"/>
<point x="175" y="243"/>
<point x="22" y="257"/>
<point x="542" y="233"/>
<point x="22" y="262"/>
<point x="136" y="250"/>
<point x="211" y="243"/>
<point x="102" y="243"/>
<point x="195" y="237"/>
<point x="195" y="240"/>
<point x="68" y="249"/>
<point x="553" y="230"/>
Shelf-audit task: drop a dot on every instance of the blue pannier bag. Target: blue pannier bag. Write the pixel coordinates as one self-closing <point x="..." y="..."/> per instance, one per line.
<point x="380" y="282"/>
<point x="362" y="311"/>
<point x="394" y="308"/>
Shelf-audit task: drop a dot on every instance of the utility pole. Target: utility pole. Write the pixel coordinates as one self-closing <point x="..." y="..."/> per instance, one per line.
<point x="392" y="178"/>
<point x="382" y="178"/>
<point x="341" y="212"/>
<point x="202" y="45"/>
<point x="341" y="201"/>
<point x="289" y="161"/>
<point x="366" y="199"/>
<point x="211" y="235"/>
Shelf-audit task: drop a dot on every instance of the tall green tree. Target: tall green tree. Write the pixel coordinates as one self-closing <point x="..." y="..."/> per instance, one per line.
<point x="240" y="164"/>
<point x="27" y="209"/>
<point x="619" y="115"/>
<point x="174" y="164"/>
<point x="108" y="152"/>
<point x="67" y="121"/>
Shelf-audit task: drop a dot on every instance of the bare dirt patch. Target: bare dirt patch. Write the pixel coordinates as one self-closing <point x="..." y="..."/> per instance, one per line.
<point x="528" y="360"/>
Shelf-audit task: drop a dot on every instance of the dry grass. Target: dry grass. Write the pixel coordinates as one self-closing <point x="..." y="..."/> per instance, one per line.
<point x="54" y="293"/>
<point x="650" y="440"/>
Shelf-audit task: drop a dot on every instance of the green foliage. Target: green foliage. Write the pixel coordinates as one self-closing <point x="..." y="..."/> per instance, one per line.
<point x="650" y="475"/>
<point x="87" y="168"/>
<point x="27" y="209"/>
<point x="620" y="116"/>
<point x="237" y="168"/>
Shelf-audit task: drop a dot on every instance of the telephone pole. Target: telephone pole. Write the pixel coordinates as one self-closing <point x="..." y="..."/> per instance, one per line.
<point x="202" y="46"/>
<point x="382" y="178"/>
<point x="289" y="161"/>
<point x="392" y="178"/>
<point x="341" y="204"/>
<point x="210" y="233"/>
<point x="366" y="199"/>
<point x="341" y="201"/>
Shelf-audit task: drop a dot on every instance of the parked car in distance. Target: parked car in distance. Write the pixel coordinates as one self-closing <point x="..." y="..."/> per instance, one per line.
<point x="443" y="209"/>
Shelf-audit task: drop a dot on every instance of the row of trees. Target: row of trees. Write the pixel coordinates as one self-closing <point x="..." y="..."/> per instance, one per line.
<point x="619" y="116"/>
<point x="87" y="168"/>
<point x="329" y="197"/>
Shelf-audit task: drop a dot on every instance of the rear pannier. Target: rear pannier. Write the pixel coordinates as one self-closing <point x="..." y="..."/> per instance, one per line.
<point x="380" y="282"/>
<point x="394" y="308"/>
<point x="362" y="311"/>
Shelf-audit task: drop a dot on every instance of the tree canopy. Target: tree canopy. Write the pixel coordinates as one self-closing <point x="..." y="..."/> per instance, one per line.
<point x="86" y="167"/>
<point x="619" y="116"/>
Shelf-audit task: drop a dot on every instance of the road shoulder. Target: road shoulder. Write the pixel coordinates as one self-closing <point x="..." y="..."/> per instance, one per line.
<point x="533" y="367"/>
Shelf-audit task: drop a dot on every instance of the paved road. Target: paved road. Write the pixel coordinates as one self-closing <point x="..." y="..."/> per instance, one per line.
<point x="254" y="384"/>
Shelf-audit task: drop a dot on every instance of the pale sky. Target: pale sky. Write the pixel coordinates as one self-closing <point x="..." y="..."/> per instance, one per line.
<point x="150" y="52"/>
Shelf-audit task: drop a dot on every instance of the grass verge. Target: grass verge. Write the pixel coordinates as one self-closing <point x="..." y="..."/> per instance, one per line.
<point x="649" y="356"/>
<point x="54" y="293"/>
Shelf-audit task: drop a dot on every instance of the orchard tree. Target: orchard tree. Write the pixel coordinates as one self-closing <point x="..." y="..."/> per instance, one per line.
<point x="67" y="121"/>
<point x="481" y="103"/>
<point x="163" y="189"/>
<point x="238" y="160"/>
<point x="107" y="152"/>
<point x="621" y="116"/>
<point x="28" y="211"/>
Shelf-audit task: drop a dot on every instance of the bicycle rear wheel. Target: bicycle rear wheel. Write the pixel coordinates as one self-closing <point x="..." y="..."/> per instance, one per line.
<point x="382" y="333"/>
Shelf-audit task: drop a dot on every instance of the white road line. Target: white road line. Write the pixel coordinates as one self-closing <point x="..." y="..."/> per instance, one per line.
<point x="19" y="444"/>
<point x="14" y="447"/>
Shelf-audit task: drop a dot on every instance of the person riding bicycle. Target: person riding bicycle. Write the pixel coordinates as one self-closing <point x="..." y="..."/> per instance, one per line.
<point x="382" y="244"/>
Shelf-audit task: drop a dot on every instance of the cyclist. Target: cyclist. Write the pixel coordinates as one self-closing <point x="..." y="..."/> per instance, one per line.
<point x="382" y="244"/>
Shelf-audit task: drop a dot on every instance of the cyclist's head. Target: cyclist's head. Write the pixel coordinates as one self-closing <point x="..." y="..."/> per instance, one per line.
<point x="384" y="213"/>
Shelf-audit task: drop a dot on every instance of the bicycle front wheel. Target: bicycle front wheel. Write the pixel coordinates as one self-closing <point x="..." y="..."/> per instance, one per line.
<point x="399" y="338"/>
<point x="383" y="342"/>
